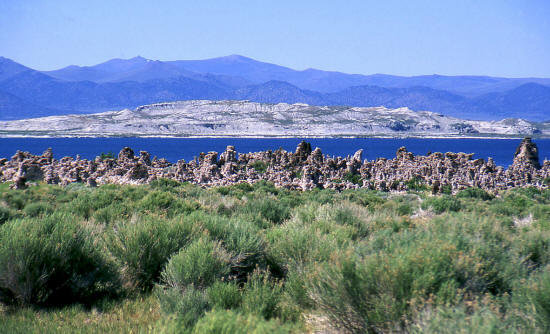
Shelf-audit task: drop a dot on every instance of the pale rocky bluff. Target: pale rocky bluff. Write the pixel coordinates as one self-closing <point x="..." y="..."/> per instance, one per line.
<point x="244" y="118"/>
<point x="303" y="169"/>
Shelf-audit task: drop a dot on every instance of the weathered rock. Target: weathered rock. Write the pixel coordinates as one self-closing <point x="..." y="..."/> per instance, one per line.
<point x="302" y="151"/>
<point x="230" y="155"/>
<point x="304" y="169"/>
<point x="125" y="154"/>
<point x="145" y="158"/>
<point x="527" y="153"/>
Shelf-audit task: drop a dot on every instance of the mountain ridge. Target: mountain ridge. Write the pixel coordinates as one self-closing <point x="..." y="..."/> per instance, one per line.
<point x="128" y="83"/>
<point x="323" y="81"/>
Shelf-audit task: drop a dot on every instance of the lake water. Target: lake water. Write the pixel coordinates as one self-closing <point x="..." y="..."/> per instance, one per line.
<point x="173" y="149"/>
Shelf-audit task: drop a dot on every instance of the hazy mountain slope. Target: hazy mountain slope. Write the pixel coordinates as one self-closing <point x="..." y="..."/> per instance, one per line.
<point x="40" y="89"/>
<point x="135" y="69"/>
<point x="279" y="91"/>
<point x="530" y="101"/>
<point x="469" y="86"/>
<point x="330" y="81"/>
<point x="12" y="107"/>
<point x="9" y="68"/>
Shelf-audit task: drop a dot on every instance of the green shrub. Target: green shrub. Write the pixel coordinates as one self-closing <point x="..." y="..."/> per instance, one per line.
<point x="53" y="260"/>
<point x="534" y="299"/>
<point x="476" y="193"/>
<point x="260" y="166"/>
<point x="239" y="237"/>
<point x="5" y="215"/>
<point x="143" y="247"/>
<point x="185" y="307"/>
<point x="374" y="287"/>
<point x="532" y="193"/>
<point x="38" y="208"/>
<point x="269" y="208"/>
<point x="261" y="295"/>
<point x="451" y="320"/>
<point x="533" y="246"/>
<point x="511" y="204"/>
<point x="105" y="156"/>
<point x="295" y="287"/>
<point x="165" y="202"/>
<point x="230" y="322"/>
<point x="89" y="200"/>
<point x="200" y="264"/>
<point x="353" y="178"/>
<point x="295" y="245"/>
<point x="443" y="203"/>
<point x="15" y="200"/>
<point x="164" y="184"/>
<point x="224" y="295"/>
<point x="112" y="213"/>
<point x="446" y="189"/>
<point x="157" y="200"/>
<point x="417" y="183"/>
<point x="368" y="198"/>
<point x="541" y="212"/>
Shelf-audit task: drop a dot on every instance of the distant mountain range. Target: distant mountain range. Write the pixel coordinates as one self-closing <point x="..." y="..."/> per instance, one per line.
<point x="128" y="83"/>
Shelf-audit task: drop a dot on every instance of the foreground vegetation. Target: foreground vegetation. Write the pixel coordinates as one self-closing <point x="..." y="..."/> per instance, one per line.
<point x="176" y="258"/>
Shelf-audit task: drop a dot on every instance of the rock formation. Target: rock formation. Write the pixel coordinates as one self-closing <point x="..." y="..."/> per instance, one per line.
<point x="304" y="169"/>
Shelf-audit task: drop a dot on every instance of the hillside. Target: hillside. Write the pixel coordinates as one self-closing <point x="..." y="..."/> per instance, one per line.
<point x="244" y="118"/>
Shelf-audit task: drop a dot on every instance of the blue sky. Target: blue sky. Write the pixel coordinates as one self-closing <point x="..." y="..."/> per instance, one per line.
<point x="487" y="37"/>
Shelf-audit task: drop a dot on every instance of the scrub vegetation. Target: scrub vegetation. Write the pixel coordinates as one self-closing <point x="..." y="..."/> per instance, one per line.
<point x="171" y="257"/>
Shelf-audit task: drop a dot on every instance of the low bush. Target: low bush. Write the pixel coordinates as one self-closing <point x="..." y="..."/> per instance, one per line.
<point x="230" y="322"/>
<point x="268" y="208"/>
<point x="105" y="156"/>
<point x="533" y="298"/>
<point x="164" y="184"/>
<point x="159" y="201"/>
<point x="200" y="264"/>
<point x="262" y="295"/>
<point x="511" y="204"/>
<point x="184" y="308"/>
<point x="143" y="247"/>
<point x="37" y="208"/>
<point x="444" y="203"/>
<point x="416" y="184"/>
<point x="374" y="287"/>
<point x="52" y="260"/>
<point x="295" y="245"/>
<point x="458" y="319"/>
<point x="476" y="193"/>
<point x="533" y="246"/>
<point x="368" y="198"/>
<point x="15" y="200"/>
<point x="113" y="213"/>
<point x="224" y="295"/>
<point x="240" y="237"/>
<point x="259" y="166"/>
<point x="353" y="178"/>
<point x="6" y="214"/>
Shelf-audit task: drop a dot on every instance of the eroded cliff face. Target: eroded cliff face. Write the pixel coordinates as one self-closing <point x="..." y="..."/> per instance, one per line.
<point x="303" y="169"/>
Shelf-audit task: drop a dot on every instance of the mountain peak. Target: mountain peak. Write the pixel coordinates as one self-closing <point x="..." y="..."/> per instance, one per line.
<point x="236" y="58"/>
<point x="139" y="59"/>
